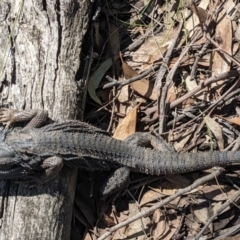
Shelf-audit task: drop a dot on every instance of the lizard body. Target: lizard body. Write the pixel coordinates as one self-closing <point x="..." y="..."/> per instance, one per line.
<point x="46" y="149"/>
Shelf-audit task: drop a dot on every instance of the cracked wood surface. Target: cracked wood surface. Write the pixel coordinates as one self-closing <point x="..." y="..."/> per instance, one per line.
<point x="40" y="50"/>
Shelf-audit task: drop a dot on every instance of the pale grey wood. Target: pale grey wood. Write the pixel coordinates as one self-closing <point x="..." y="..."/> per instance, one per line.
<point x="40" y="47"/>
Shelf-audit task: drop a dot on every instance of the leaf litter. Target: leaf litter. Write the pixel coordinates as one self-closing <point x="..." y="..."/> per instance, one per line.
<point x="198" y="112"/>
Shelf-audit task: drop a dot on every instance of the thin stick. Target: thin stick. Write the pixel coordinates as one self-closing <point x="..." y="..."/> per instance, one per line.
<point x="216" y="172"/>
<point x="222" y="208"/>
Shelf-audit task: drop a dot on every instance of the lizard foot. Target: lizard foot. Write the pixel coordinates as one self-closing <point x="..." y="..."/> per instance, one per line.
<point x="36" y="117"/>
<point x="7" y="116"/>
<point x="117" y="180"/>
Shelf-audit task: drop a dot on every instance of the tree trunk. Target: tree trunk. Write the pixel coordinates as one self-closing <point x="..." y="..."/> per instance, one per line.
<point x="40" y="58"/>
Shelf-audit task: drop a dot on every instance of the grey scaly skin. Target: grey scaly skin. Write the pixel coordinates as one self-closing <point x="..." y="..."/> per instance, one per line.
<point x="38" y="154"/>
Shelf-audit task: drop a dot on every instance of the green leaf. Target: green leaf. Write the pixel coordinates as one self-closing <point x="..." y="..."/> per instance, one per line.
<point x="96" y="78"/>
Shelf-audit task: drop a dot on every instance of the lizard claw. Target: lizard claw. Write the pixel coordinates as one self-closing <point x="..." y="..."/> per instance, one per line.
<point x="6" y="117"/>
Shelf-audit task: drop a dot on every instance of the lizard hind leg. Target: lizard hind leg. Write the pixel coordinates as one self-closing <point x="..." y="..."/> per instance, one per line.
<point x="51" y="167"/>
<point x="115" y="183"/>
<point x="118" y="180"/>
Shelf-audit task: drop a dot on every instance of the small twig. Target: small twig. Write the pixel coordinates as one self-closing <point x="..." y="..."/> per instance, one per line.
<point x="197" y="89"/>
<point x="120" y="84"/>
<point x="177" y="234"/>
<point x="164" y="67"/>
<point x="201" y="86"/>
<point x="147" y="15"/>
<point x="140" y="40"/>
<point x="162" y="109"/>
<point x="198" y="57"/>
<point x="228" y="232"/>
<point x="158" y="83"/>
<point x="198" y="182"/>
<point x="210" y="110"/>
<point x="227" y="95"/>
<point x="222" y="208"/>
<point x="222" y="51"/>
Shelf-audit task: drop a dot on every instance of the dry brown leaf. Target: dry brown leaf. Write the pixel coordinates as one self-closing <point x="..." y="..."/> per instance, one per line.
<point x="137" y="226"/>
<point x="127" y="126"/>
<point x="201" y="213"/>
<point x="237" y="237"/>
<point x="123" y="96"/>
<point x="218" y="192"/>
<point x="158" y="234"/>
<point x="235" y="120"/>
<point x="150" y="196"/>
<point x="180" y="145"/>
<point x="191" y="84"/>
<point x="159" y="219"/>
<point x="216" y="206"/>
<point x="108" y="220"/>
<point x="204" y="61"/>
<point x="194" y="20"/>
<point x="220" y="63"/>
<point x="162" y="189"/>
<point x="120" y="233"/>
<point x="87" y="236"/>
<point x="143" y="86"/>
<point x="216" y="129"/>
<point x="183" y="202"/>
<point x="192" y="225"/>
<point x="146" y="88"/>
<point x="171" y="94"/>
<point x="200" y="12"/>
<point x="153" y="49"/>
<point x="174" y="222"/>
<point x="168" y="188"/>
<point x="179" y="180"/>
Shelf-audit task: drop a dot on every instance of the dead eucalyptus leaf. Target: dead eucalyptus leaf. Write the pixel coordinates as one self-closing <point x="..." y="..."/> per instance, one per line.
<point x="220" y="63"/>
<point x="194" y="20"/>
<point x="143" y="86"/>
<point x="200" y="12"/>
<point x="216" y="129"/>
<point x="153" y="48"/>
<point x="127" y="126"/>
<point x="159" y="219"/>
<point x="235" y="120"/>
<point x="96" y="78"/>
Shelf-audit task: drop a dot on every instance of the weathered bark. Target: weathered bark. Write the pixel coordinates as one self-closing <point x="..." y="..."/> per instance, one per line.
<point x="40" y="46"/>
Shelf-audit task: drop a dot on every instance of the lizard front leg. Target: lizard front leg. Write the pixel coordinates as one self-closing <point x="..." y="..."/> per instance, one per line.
<point x="35" y="117"/>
